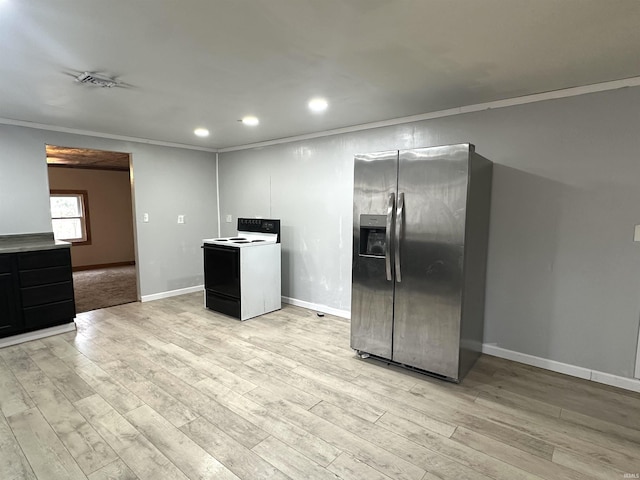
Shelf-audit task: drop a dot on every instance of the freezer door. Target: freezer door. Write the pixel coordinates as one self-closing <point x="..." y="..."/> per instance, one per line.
<point x="433" y="182"/>
<point x="375" y="183"/>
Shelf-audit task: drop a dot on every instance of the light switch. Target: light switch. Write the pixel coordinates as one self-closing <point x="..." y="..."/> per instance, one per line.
<point x="229" y="218"/>
<point x="636" y="234"/>
<point x="180" y="218"/>
<point x="145" y="217"/>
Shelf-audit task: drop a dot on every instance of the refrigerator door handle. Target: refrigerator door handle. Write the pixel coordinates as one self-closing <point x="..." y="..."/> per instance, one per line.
<point x="387" y="250"/>
<point x="399" y="228"/>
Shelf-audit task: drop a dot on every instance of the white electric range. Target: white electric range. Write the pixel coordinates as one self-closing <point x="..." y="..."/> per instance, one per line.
<point x="242" y="273"/>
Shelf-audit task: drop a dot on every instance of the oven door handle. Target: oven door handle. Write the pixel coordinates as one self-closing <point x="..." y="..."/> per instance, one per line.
<point x="387" y="248"/>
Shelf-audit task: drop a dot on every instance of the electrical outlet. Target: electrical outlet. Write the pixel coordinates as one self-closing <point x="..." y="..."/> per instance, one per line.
<point x="636" y="234"/>
<point x="145" y="217"/>
<point x="229" y="218"/>
<point x="180" y="218"/>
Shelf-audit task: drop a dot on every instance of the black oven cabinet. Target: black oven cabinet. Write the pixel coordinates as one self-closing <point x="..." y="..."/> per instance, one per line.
<point x="36" y="290"/>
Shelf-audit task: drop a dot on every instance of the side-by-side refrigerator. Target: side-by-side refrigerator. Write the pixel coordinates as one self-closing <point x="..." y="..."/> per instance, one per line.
<point x="420" y="235"/>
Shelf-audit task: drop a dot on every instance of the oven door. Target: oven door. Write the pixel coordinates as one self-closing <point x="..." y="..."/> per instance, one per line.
<point x="222" y="270"/>
<point x="222" y="279"/>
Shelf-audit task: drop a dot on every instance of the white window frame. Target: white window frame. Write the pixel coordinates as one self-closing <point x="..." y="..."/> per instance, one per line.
<point x="83" y="197"/>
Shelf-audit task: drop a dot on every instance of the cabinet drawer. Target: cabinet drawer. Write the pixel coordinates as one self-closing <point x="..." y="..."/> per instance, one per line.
<point x="42" y="294"/>
<point x="5" y="263"/>
<point x="42" y="276"/>
<point x="49" y="315"/>
<point x="44" y="258"/>
<point x="220" y="303"/>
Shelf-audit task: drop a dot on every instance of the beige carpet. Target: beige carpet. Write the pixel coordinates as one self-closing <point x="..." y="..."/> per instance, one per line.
<point x="104" y="287"/>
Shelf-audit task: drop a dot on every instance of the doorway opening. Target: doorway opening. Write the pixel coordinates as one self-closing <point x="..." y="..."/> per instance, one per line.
<point x="92" y="207"/>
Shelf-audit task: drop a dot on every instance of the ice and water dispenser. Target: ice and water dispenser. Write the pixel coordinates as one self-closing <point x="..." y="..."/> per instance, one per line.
<point x="373" y="229"/>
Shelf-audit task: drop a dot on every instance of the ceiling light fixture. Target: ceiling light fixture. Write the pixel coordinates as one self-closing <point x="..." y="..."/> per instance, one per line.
<point x="318" y="105"/>
<point x="250" y="120"/>
<point x="201" y="132"/>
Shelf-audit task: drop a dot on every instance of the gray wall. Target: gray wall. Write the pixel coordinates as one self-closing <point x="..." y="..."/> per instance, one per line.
<point x="24" y="186"/>
<point x="563" y="273"/>
<point x="167" y="182"/>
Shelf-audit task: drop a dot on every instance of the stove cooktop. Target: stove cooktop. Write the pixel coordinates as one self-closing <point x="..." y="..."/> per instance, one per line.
<point x="251" y="232"/>
<point x="243" y="241"/>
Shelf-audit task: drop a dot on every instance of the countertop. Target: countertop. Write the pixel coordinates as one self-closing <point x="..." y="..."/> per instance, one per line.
<point x="30" y="242"/>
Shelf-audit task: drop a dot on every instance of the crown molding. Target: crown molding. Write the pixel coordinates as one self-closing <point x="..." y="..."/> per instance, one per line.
<point x="90" y="133"/>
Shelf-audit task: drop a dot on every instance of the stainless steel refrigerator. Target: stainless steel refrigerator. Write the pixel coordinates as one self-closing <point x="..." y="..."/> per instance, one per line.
<point x="420" y="234"/>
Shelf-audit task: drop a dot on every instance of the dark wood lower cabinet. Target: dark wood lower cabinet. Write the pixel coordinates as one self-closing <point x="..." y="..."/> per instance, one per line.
<point x="49" y="314"/>
<point x="9" y="315"/>
<point x="36" y="290"/>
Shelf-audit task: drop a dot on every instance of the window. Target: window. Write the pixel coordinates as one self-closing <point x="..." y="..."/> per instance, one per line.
<point x="70" y="216"/>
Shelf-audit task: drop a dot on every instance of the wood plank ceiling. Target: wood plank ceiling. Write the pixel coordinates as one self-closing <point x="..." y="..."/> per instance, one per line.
<point x="86" y="158"/>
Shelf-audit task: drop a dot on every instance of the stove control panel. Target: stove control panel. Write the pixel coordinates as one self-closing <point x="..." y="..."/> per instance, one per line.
<point x="260" y="225"/>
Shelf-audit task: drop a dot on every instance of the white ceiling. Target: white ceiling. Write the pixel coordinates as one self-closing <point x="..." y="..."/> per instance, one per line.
<point x="193" y="63"/>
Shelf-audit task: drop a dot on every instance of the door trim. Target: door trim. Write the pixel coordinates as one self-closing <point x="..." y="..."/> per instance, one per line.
<point x="637" y="373"/>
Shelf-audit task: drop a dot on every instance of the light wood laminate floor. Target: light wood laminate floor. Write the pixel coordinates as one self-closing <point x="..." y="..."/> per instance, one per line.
<point x="169" y="390"/>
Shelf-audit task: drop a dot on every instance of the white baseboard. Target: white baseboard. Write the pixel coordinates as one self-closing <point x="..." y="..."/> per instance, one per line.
<point x="568" y="369"/>
<point x="38" y="334"/>
<point x="616" y="381"/>
<point x="317" y="307"/>
<point x="171" y="293"/>
<point x="552" y="365"/>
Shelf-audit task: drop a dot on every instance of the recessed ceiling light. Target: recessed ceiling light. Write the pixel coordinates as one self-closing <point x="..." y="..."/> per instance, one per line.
<point x="318" y="104"/>
<point x="251" y="120"/>
<point x="201" y="132"/>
